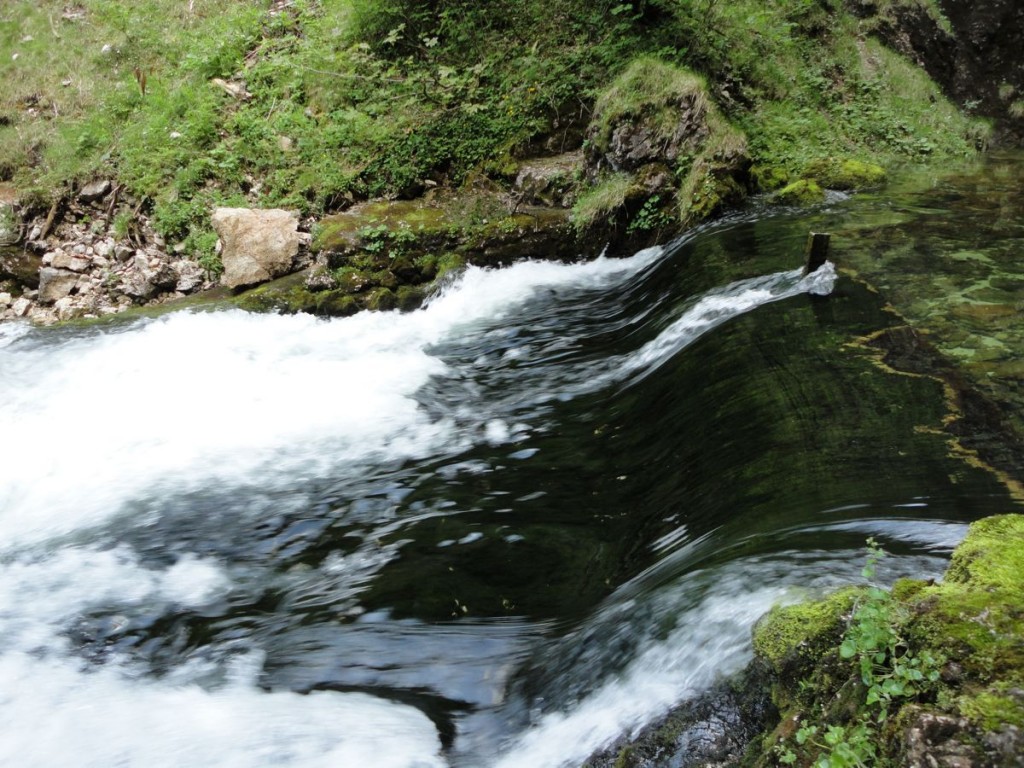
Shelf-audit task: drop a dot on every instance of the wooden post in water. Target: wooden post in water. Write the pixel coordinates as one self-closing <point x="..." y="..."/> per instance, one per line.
<point x="816" y="251"/>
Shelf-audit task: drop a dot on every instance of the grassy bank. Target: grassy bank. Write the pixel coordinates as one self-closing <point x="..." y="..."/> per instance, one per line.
<point x="313" y="104"/>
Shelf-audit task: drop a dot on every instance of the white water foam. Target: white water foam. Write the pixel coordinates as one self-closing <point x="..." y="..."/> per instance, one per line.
<point x="61" y="711"/>
<point x="93" y="421"/>
<point x="713" y="641"/>
<point x="226" y="397"/>
<point x="720" y="305"/>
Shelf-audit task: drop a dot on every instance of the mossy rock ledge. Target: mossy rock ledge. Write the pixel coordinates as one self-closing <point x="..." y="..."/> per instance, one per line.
<point x="972" y="626"/>
<point x="661" y="156"/>
<point x="385" y="255"/>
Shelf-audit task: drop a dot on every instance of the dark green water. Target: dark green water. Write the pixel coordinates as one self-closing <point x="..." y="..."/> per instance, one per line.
<point x="498" y="531"/>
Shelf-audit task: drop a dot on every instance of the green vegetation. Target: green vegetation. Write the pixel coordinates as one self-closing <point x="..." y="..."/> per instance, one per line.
<point x="313" y="104"/>
<point x="801" y="192"/>
<point x="848" y="697"/>
<point x="602" y="199"/>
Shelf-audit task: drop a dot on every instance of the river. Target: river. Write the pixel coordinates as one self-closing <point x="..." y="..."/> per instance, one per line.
<point x="501" y="530"/>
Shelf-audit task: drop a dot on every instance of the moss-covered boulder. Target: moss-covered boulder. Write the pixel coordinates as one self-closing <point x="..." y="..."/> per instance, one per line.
<point x="844" y="173"/>
<point x="922" y="675"/>
<point x="802" y="192"/>
<point x="657" y="133"/>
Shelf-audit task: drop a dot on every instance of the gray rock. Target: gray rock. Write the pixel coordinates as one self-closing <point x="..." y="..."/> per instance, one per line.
<point x="104" y="248"/>
<point x="79" y="263"/>
<point x="6" y="300"/>
<point x="21" y="266"/>
<point x="58" y="258"/>
<point x="66" y="308"/>
<point x="148" y="278"/>
<point x="190" y="276"/>
<point x="55" y="284"/>
<point x="137" y="286"/>
<point x="258" y="245"/>
<point x="95" y="190"/>
<point x="21" y="306"/>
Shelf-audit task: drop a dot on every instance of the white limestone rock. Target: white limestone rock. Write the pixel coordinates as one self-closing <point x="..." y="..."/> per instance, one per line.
<point x="258" y="245"/>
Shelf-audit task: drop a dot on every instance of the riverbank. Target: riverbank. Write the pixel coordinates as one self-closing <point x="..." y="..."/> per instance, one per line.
<point x="920" y="675"/>
<point x="126" y="127"/>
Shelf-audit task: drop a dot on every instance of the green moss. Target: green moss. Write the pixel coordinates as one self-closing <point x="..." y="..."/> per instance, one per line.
<point x="409" y="297"/>
<point x="336" y="304"/>
<point x="992" y="557"/>
<point x="710" y="187"/>
<point x="803" y="629"/>
<point x="768" y="178"/>
<point x="449" y="262"/>
<point x="381" y="300"/>
<point x="802" y="192"/>
<point x="390" y="224"/>
<point x="976" y="616"/>
<point x="287" y="294"/>
<point x="992" y="710"/>
<point x="844" y="173"/>
<point x="907" y="589"/>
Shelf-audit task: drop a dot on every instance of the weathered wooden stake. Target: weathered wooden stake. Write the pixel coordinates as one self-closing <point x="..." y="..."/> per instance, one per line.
<point x="816" y="251"/>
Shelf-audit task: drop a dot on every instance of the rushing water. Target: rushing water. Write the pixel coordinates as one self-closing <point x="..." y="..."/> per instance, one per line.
<point x="498" y="531"/>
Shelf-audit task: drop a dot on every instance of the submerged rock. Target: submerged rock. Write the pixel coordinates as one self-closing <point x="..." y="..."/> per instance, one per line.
<point x="802" y="192"/>
<point x="258" y="245"/>
<point x="711" y="730"/>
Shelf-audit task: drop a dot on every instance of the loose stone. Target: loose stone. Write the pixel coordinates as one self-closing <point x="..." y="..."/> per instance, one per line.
<point x="21" y="307"/>
<point x="55" y="284"/>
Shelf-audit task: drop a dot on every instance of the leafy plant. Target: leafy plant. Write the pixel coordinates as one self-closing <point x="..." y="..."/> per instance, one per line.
<point x="888" y="668"/>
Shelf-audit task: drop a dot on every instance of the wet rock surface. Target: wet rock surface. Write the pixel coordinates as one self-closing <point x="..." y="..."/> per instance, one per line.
<point x="712" y="730"/>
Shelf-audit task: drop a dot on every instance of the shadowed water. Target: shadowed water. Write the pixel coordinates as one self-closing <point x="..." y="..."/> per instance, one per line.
<point x="501" y="530"/>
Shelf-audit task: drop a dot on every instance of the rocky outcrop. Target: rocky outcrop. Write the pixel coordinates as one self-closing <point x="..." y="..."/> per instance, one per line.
<point x="256" y="245"/>
<point x="79" y="264"/>
<point x="972" y="48"/>
<point x="657" y="134"/>
<point x="383" y="254"/>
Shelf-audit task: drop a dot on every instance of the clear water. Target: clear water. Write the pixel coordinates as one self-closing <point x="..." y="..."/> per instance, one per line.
<point x="498" y="531"/>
